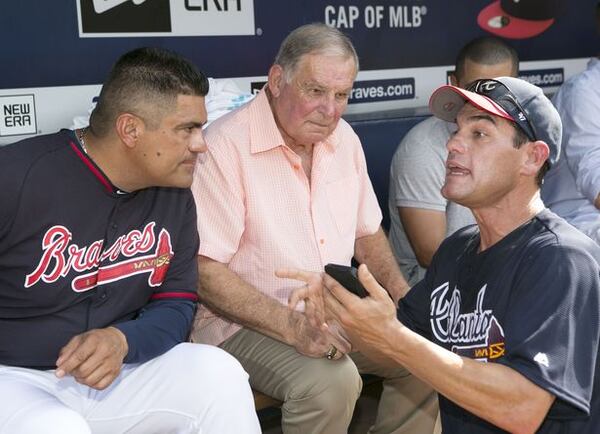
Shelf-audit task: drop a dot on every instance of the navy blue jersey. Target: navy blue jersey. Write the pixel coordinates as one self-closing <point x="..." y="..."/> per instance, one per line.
<point x="530" y="302"/>
<point x="77" y="254"/>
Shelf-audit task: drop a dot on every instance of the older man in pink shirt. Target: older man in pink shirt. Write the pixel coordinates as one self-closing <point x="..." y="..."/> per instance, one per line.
<point x="285" y="184"/>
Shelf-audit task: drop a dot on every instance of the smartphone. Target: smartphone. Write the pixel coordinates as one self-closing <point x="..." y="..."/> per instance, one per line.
<point x="347" y="277"/>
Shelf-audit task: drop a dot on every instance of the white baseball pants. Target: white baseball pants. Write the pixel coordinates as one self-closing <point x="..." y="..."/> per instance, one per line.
<point x="193" y="388"/>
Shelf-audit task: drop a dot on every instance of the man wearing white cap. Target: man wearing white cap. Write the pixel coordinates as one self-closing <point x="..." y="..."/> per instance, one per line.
<point x="505" y="323"/>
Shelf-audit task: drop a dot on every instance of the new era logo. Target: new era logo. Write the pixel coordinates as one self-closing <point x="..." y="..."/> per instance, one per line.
<point x="17" y="115"/>
<point x="542" y="359"/>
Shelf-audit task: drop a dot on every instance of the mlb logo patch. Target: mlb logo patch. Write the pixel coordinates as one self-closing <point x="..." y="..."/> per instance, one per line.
<point x="17" y="115"/>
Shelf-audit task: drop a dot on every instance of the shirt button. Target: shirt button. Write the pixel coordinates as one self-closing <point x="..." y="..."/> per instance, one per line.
<point x="297" y="166"/>
<point x="322" y="240"/>
<point x="114" y="226"/>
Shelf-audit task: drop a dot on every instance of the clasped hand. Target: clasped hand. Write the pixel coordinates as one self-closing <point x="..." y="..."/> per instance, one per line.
<point x="93" y="358"/>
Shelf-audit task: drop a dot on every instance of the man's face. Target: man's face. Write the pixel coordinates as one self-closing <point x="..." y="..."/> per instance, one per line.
<point x="476" y="71"/>
<point x="308" y="108"/>
<point x="483" y="165"/>
<point x="167" y="155"/>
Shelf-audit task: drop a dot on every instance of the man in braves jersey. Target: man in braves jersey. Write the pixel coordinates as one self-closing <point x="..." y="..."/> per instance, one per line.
<point x="505" y="324"/>
<point x="98" y="269"/>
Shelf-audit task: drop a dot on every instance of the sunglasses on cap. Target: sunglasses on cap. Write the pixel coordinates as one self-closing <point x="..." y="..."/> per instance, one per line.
<point x="502" y="95"/>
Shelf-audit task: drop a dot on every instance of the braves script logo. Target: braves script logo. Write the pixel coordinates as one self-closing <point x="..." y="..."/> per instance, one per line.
<point x="477" y="334"/>
<point x="61" y="256"/>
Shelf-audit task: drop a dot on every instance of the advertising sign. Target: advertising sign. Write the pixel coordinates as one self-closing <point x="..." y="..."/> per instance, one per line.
<point x="112" y="18"/>
<point x="17" y="115"/>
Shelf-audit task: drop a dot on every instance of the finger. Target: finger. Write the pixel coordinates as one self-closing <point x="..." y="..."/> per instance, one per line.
<point x="315" y="314"/>
<point x="97" y="375"/>
<point x="294" y="273"/>
<point x="370" y="283"/>
<point x="338" y="351"/>
<point x="94" y="364"/>
<point x="297" y="296"/>
<point x="332" y="306"/>
<point x="106" y="381"/>
<point x="98" y="380"/>
<point x="71" y="363"/>
<point x="338" y="291"/>
<point x="340" y="354"/>
<point x="339" y="336"/>
<point x="66" y="351"/>
<point x="344" y="347"/>
<point x="69" y="357"/>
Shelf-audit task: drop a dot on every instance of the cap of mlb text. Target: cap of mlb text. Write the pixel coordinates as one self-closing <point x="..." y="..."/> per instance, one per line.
<point x="519" y="19"/>
<point x="510" y="98"/>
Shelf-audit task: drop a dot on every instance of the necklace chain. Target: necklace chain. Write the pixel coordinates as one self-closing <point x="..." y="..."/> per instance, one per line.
<point x="81" y="137"/>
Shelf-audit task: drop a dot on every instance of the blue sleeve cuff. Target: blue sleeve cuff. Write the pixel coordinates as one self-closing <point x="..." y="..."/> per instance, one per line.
<point x="159" y="327"/>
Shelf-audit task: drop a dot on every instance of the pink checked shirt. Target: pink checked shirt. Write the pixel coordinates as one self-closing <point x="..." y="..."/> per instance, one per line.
<point x="257" y="211"/>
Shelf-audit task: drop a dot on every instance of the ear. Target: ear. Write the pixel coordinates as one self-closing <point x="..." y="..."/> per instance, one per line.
<point x="275" y="80"/>
<point x="536" y="154"/>
<point x="129" y="128"/>
<point x="453" y="79"/>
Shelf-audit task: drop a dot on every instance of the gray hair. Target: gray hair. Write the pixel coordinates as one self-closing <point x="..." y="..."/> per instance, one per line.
<point x="315" y="38"/>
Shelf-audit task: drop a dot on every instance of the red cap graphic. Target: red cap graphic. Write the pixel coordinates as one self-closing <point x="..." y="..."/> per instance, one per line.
<point x="518" y="19"/>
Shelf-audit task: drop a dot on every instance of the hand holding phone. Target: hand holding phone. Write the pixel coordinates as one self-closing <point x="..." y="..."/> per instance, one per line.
<point x="347" y="277"/>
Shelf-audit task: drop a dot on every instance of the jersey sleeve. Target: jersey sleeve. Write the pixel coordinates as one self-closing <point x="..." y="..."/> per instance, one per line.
<point x="219" y="194"/>
<point x="552" y="331"/>
<point x="167" y="319"/>
<point x="182" y="277"/>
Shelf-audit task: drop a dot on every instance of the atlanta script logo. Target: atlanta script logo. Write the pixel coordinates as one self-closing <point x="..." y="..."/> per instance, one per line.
<point x="60" y="256"/>
<point x="477" y="335"/>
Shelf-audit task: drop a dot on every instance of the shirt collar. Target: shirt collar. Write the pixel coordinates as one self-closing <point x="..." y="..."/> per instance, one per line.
<point x="264" y="133"/>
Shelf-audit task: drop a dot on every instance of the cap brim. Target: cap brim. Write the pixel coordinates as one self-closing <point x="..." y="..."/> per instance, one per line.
<point x="490" y="19"/>
<point x="446" y="102"/>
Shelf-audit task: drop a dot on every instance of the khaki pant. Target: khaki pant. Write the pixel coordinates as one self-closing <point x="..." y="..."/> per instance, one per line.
<point x="319" y="395"/>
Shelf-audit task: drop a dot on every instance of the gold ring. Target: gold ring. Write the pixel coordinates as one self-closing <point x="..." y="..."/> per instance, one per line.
<point x="331" y="353"/>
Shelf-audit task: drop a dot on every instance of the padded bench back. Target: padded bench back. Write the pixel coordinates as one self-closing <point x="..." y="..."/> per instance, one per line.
<point x="380" y="138"/>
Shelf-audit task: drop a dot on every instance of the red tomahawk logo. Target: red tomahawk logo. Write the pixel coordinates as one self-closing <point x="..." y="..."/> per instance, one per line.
<point x="156" y="264"/>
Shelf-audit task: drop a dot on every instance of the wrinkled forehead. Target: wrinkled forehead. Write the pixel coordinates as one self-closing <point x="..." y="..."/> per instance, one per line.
<point x="318" y="64"/>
